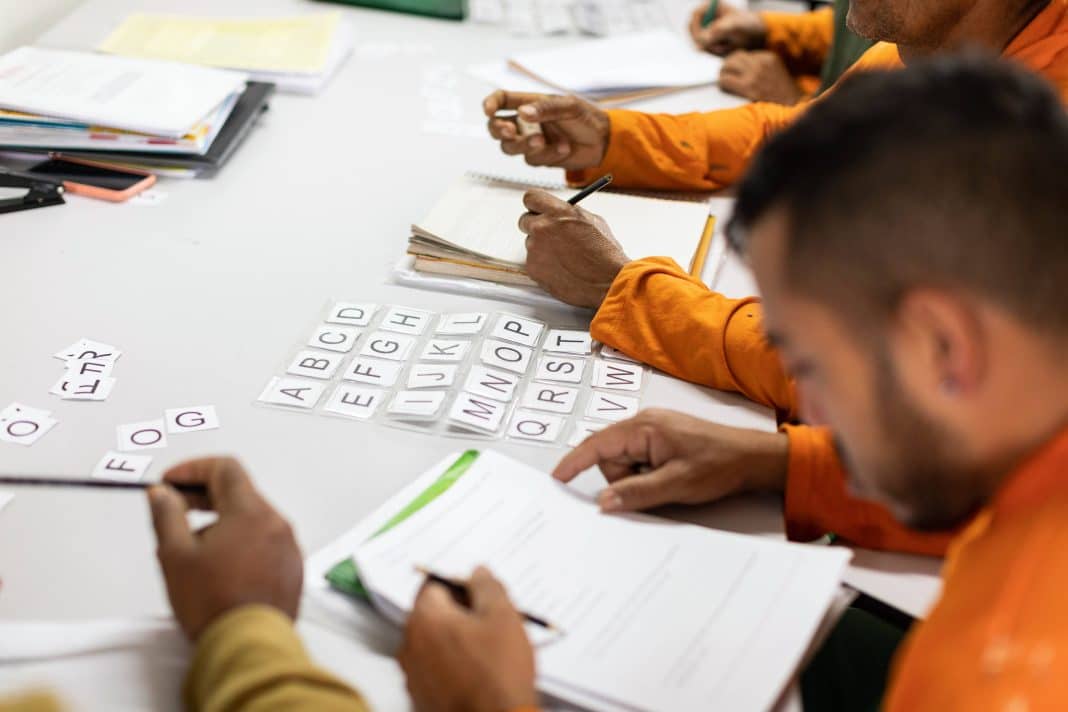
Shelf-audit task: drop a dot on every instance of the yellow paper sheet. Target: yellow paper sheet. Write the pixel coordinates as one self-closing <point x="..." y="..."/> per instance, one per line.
<point x="299" y="44"/>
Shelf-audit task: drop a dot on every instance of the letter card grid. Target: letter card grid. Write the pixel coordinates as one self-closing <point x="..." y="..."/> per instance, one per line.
<point x="481" y="374"/>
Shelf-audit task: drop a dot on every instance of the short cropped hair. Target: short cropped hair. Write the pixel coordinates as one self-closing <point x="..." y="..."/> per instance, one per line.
<point x="952" y="174"/>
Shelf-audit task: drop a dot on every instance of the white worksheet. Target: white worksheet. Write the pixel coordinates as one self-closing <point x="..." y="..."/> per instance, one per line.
<point x="655" y="615"/>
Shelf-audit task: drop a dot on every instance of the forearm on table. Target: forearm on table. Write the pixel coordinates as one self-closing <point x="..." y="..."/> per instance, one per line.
<point x="657" y="313"/>
<point x="684" y="152"/>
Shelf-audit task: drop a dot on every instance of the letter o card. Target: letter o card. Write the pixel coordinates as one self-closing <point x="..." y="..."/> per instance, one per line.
<point x="189" y="420"/>
<point x="24" y="425"/>
<point x="507" y="356"/>
<point x="142" y="436"/>
<point x="122" y="466"/>
<point x="315" y="364"/>
<point x="535" y="426"/>
<point x="334" y="338"/>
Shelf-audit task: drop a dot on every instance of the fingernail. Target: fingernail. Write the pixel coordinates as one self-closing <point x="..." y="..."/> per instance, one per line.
<point x="528" y="112"/>
<point x="562" y="148"/>
<point x="610" y="501"/>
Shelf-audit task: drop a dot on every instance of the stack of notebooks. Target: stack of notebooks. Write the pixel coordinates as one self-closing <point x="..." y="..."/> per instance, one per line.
<point x="162" y="116"/>
<point x="610" y="70"/>
<point x="472" y="232"/>
<point x="297" y="54"/>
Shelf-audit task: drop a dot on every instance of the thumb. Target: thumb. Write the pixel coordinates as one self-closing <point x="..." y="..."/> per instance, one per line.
<point x="168" y="518"/>
<point x="644" y="491"/>
<point x="487" y="593"/>
<point x="552" y="108"/>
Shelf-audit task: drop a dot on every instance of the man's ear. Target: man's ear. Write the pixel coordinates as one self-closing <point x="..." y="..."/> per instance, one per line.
<point x="940" y="339"/>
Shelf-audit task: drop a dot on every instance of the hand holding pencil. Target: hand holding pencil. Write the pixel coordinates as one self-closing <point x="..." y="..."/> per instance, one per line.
<point x="571" y="252"/>
<point x="721" y="29"/>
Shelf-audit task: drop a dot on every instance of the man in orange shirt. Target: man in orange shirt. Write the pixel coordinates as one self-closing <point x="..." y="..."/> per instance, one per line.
<point x="781" y="57"/>
<point x="915" y="286"/>
<point x="651" y="309"/>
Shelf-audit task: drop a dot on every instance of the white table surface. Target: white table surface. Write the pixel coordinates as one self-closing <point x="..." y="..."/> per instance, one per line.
<point x="209" y="291"/>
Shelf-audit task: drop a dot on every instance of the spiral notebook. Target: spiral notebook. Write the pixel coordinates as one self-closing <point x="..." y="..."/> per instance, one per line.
<point x="472" y="231"/>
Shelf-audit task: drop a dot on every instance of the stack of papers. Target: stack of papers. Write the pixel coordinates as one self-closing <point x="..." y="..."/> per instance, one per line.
<point x="55" y="99"/>
<point x="298" y="54"/>
<point x="472" y="233"/>
<point x="655" y="615"/>
<point x="626" y="67"/>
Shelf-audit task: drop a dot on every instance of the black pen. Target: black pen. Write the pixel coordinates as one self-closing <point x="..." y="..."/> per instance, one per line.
<point x="97" y="484"/>
<point x="590" y="189"/>
<point x="458" y="591"/>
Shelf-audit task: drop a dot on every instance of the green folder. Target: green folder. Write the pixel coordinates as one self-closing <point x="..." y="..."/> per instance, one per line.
<point x="447" y="9"/>
<point x="345" y="578"/>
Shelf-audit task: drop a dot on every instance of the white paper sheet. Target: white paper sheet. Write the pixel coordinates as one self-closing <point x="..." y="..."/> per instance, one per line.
<point x="632" y="62"/>
<point x="656" y="615"/>
<point x="160" y="98"/>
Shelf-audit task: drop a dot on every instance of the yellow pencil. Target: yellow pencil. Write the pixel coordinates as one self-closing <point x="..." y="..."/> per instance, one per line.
<point x="697" y="265"/>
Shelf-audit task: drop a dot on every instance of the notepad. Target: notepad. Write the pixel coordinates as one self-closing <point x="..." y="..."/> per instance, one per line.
<point x="298" y="53"/>
<point x="472" y="230"/>
<point x="638" y="63"/>
<point x="656" y="615"/>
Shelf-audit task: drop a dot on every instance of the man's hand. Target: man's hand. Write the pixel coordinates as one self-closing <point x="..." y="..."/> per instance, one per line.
<point x="759" y="76"/>
<point x="662" y="457"/>
<point x="574" y="131"/>
<point x="730" y="31"/>
<point x="248" y="556"/>
<point x="571" y="253"/>
<point x="461" y="660"/>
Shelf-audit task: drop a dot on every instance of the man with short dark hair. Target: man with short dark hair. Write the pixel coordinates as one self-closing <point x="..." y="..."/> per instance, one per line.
<point x="915" y="286"/>
<point x="651" y="309"/>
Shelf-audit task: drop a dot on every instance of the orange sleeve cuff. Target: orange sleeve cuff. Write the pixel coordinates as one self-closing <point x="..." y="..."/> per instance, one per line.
<point x="818" y="502"/>
<point x="658" y="313"/>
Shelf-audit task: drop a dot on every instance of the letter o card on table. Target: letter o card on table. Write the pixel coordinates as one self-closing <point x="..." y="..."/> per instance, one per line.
<point x="470" y="374"/>
<point x="23" y="425"/>
<point x="148" y="435"/>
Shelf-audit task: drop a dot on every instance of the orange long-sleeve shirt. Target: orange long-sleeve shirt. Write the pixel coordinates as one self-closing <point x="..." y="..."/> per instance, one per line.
<point x="998" y="637"/>
<point x="802" y="40"/>
<point x="709" y="151"/>
<point x="652" y="312"/>
<point x="654" y="308"/>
